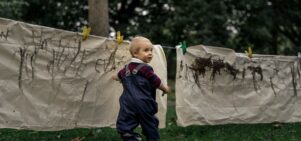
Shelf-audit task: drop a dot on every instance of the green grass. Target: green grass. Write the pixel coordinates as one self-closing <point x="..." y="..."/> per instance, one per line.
<point x="230" y="132"/>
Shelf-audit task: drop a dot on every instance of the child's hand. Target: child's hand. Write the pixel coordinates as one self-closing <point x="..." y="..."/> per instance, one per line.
<point x="115" y="77"/>
<point x="165" y="90"/>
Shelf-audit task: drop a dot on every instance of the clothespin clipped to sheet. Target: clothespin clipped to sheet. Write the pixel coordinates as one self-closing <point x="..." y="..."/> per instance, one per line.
<point x="249" y="52"/>
<point x="119" y="38"/>
<point x="183" y="45"/>
<point x="299" y="55"/>
<point x="86" y="32"/>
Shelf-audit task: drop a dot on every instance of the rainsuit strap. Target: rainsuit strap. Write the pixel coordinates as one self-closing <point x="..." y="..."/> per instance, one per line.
<point x="135" y="71"/>
<point x="127" y="70"/>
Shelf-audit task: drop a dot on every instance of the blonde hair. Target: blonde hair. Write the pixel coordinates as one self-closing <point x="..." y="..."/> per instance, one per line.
<point x="136" y="43"/>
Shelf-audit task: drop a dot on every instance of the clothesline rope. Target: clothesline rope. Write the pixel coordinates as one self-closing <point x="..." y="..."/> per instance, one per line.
<point x="168" y="47"/>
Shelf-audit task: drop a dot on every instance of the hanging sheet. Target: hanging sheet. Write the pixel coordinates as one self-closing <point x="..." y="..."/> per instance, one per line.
<point x="52" y="80"/>
<point x="218" y="86"/>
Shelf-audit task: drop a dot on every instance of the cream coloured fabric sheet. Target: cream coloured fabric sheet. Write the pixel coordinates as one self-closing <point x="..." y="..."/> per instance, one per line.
<point x="218" y="86"/>
<point x="52" y="80"/>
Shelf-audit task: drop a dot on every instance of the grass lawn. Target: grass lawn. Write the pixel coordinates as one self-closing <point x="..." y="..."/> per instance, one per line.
<point x="230" y="132"/>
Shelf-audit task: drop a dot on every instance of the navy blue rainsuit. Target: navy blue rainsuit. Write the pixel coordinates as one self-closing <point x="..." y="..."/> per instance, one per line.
<point x="137" y="105"/>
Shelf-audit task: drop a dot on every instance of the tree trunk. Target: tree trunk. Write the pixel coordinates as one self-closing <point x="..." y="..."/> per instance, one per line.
<point x="99" y="17"/>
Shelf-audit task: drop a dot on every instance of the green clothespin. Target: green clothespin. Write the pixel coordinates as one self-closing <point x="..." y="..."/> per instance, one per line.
<point x="183" y="46"/>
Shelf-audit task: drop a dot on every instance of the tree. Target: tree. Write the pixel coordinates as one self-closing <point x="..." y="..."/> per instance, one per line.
<point x="99" y="17"/>
<point x="270" y="26"/>
<point x="172" y="21"/>
<point x="12" y="9"/>
<point x="63" y="14"/>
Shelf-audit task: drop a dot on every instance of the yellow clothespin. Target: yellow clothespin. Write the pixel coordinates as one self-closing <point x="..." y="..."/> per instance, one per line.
<point x="86" y="32"/>
<point x="249" y="53"/>
<point x="119" y="38"/>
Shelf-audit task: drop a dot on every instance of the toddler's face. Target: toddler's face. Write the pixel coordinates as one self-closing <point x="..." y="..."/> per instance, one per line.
<point x="144" y="53"/>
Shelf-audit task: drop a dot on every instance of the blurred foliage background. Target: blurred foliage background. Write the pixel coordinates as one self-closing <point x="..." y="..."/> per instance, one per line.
<point x="268" y="26"/>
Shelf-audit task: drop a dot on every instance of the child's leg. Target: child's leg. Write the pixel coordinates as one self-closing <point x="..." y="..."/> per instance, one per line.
<point x="126" y="124"/>
<point x="149" y="124"/>
<point x="130" y="137"/>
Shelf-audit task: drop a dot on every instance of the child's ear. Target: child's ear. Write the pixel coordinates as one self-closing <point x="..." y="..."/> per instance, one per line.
<point x="135" y="54"/>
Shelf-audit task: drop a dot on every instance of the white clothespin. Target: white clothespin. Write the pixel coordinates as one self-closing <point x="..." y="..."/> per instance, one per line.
<point x="299" y="55"/>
